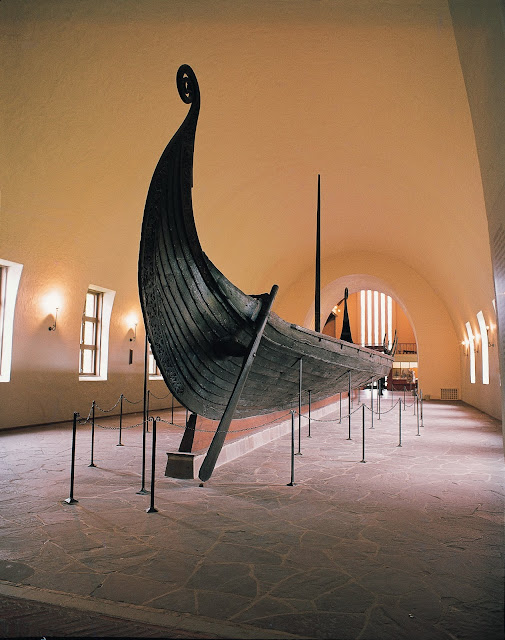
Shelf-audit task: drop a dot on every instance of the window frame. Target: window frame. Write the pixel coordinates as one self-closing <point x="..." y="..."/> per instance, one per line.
<point x="10" y="279"/>
<point x="94" y="347"/>
<point x="102" y="352"/>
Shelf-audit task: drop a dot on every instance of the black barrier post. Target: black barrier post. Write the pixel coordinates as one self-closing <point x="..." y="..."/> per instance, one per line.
<point x="404" y="397"/>
<point x="349" y="404"/>
<point x="363" y="431"/>
<point x="310" y="405"/>
<point x="143" y="490"/>
<point x="120" y="444"/>
<point x="299" y="453"/>
<point x="146" y="378"/>
<point x="400" y="422"/>
<point x="92" y="463"/>
<point x="371" y="403"/>
<point x="71" y="499"/>
<point x="417" y="400"/>
<point x="147" y="409"/>
<point x="422" y="409"/>
<point x="152" y="509"/>
<point x="292" y="482"/>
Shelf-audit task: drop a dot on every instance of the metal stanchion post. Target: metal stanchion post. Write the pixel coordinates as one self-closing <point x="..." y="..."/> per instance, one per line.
<point x="152" y="509"/>
<point x="120" y="444"/>
<point x="92" y="463"/>
<point x="299" y="453"/>
<point x="349" y="404"/>
<point x="363" y="431"/>
<point x="147" y="409"/>
<point x="143" y="491"/>
<point x="400" y="422"/>
<point x="71" y="499"/>
<point x="422" y="409"/>
<point x="417" y="400"/>
<point x="146" y="378"/>
<point x="292" y="482"/>
<point x="310" y="406"/>
<point x="371" y="403"/>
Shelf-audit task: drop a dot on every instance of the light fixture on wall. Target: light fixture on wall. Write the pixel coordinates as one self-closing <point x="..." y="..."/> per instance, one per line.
<point x="488" y="329"/>
<point x="465" y="344"/>
<point x="131" y="322"/>
<point x="53" y="326"/>
<point x="51" y="303"/>
<point x="476" y="342"/>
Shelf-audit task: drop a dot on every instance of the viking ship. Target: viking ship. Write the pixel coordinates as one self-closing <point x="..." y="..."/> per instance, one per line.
<point x="224" y="354"/>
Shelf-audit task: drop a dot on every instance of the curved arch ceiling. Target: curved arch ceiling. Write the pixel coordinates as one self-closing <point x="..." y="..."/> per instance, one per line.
<point x="368" y="94"/>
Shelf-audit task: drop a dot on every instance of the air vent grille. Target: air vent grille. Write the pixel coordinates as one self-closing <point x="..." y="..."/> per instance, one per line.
<point x="449" y="394"/>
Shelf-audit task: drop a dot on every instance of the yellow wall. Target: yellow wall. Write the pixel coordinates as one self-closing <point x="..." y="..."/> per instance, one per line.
<point x="370" y="95"/>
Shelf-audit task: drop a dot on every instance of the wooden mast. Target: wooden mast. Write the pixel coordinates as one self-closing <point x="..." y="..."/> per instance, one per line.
<point x="317" y="299"/>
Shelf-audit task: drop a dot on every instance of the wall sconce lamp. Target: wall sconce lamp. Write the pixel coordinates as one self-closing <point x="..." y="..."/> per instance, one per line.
<point x="53" y="326"/>
<point x="465" y="347"/>
<point x="477" y="340"/>
<point x="488" y="328"/>
<point x="134" y="329"/>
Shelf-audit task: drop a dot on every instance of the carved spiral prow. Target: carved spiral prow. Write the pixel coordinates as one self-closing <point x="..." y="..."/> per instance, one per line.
<point x="187" y="84"/>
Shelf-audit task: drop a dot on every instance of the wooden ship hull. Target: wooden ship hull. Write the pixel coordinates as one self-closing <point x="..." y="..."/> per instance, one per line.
<point x="204" y="331"/>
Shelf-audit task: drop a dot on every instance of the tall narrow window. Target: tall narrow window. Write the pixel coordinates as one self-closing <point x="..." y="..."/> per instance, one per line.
<point x="90" y="334"/>
<point x="472" y="352"/>
<point x="363" y="316"/>
<point x="369" y="316"/>
<point x="10" y="275"/>
<point x="383" y="317"/>
<point x="484" y="347"/>
<point x="390" y="321"/>
<point x="375" y="317"/>
<point x="154" y="372"/>
<point x="3" y="279"/>
<point x="94" y="351"/>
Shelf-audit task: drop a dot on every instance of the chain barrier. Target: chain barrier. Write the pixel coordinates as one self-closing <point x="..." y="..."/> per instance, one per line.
<point x="158" y="398"/>
<point x="259" y="426"/>
<point x="85" y="420"/>
<point x="111" y="409"/>
<point x="131" y="401"/>
<point x="139" y="424"/>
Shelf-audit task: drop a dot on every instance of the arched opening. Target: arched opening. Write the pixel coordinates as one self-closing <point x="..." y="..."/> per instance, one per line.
<point x="376" y="314"/>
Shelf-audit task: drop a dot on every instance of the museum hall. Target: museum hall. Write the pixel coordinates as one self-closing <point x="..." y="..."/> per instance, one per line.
<point x="252" y="319"/>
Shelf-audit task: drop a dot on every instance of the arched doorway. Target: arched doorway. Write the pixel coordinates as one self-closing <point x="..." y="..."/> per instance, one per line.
<point x="375" y="315"/>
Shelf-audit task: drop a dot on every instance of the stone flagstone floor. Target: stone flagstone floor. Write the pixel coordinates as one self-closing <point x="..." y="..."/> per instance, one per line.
<point x="407" y="545"/>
